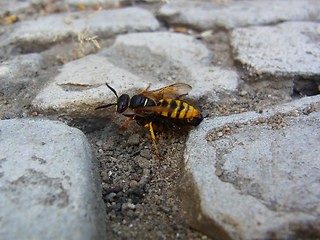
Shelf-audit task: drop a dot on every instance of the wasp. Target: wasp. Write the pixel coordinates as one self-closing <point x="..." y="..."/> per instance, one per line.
<point x="150" y="107"/>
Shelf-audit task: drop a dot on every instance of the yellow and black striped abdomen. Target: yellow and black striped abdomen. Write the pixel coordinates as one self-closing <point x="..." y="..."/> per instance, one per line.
<point x="177" y="109"/>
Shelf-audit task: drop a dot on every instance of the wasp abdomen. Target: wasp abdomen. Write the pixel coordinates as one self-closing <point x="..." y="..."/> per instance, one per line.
<point x="178" y="109"/>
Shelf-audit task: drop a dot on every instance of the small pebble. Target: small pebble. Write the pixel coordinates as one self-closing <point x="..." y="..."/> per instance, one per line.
<point x="117" y="207"/>
<point x="135" y="200"/>
<point x="99" y="143"/>
<point x="134" y="139"/>
<point x="143" y="162"/>
<point x="110" y="197"/>
<point x="219" y="134"/>
<point x="105" y="147"/>
<point x="137" y="192"/>
<point x="219" y="171"/>
<point x="103" y="174"/>
<point x="131" y="206"/>
<point x="294" y="113"/>
<point x="133" y="183"/>
<point x="145" y="153"/>
<point x="243" y="93"/>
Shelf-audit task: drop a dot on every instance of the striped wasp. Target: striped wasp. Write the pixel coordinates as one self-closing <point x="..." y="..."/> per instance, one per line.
<point x="150" y="107"/>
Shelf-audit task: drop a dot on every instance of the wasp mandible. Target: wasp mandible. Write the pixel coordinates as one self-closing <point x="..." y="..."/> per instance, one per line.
<point x="148" y="107"/>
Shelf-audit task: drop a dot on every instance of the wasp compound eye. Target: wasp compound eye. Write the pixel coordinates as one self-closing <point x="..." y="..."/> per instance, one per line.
<point x="122" y="103"/>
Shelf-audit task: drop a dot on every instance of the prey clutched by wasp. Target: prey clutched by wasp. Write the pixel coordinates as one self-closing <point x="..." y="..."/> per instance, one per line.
<point x="157" y="107"/>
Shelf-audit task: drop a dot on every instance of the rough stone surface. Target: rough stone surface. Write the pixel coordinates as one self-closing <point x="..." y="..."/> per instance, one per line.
<point x="185" y="59"/>
<point x="12" y="6"/>
<point x="80" y="87"/>
<point x="256" y="174"/>
<point x="293" y="49"/>
<point x="231" y="14"/>
<point x="248" y="175"/>
<point x="18" y="72"/>
<point x="94" y="2"/>
<point x="33" y="35"/>
<point x="49" y="187"/>
<point x="179" y="48"/>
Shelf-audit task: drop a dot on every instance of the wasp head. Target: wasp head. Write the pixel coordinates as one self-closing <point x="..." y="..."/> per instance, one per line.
<point x="122" y="101"/>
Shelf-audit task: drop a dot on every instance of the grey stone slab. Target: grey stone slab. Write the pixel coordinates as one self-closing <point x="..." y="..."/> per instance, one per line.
<point x="18" y="72"/>
<point x="286" y="49"/>
<point x="256" y="176"/>
<point x="49" y="186"/>
<point x="80" y="86"/>
<point x="94" y="2"/>
<point x="232" y="14"/>
<point x="34" y="35"/>
<point x="180" y="48"/>
<point x="134" y="61"/>
<point x="185" y="58"/>
<point x="12" y="6"/>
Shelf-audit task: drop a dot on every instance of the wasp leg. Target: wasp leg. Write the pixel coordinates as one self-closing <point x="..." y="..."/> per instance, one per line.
<point x="153" y="139"/>
<point x="127" y="122"/>
<point x="143" y="91"/>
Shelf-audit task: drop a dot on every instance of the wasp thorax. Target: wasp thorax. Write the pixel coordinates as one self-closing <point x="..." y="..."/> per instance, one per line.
<point x="122" y="103"/>
<point x="140" y="101"/>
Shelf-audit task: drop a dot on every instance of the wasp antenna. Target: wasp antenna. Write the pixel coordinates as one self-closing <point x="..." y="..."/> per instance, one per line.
<point x="114" y="91"/>
<point x="105" y="106"/>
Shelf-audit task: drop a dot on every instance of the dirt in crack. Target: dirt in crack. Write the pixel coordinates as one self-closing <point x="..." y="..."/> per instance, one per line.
<point x="139" y="190"/>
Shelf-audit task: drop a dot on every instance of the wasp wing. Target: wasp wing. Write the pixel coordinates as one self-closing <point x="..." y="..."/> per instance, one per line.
<point x="174" y="91"/>
<point x="149" y="110"/>
<point x="143" y="111"/>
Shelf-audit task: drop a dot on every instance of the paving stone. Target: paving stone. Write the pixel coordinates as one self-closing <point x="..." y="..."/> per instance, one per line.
<point x="292" y="49"/>
<point x="49" y="186"/>
<point x="94" y="2"/>
<point x="80" y="86"/>
<point x="33" y="35"/>
<point x="231" y="14"/>
<point x="12" y="6"/>
<point x="128" y="67"/>
<point x="105" y="2"/>
<point x="256" y="175"/>
<point x="18" y="72"/>
<point x="182" y="56"/>
<point x="248" y="176"/>
<point x="170" y="45"/>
